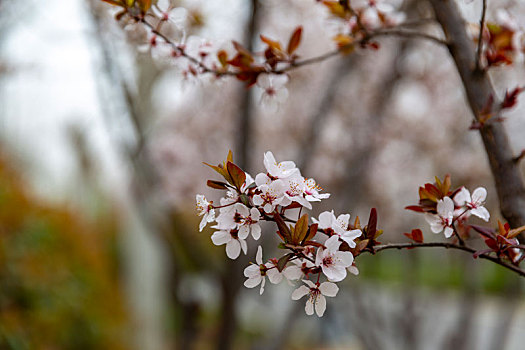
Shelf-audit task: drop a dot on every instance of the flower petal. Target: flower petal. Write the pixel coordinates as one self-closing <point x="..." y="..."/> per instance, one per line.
<point x="221" y="237"/>
<point x="320" y="305"/>
<point x="332" y="243"/>
<point x="448" y="232"/>
<point x="244" y="231"/>
<point x="252" y="271"/>
<point x="256" y="231"/>
<point x="253" y="282"/>
<point x="274" y="276"/>
<point x="329" y="289"/>
<point x="479" y="195"/>
<point x="300" y="292"/>
<point x="233" y="249"/>
<point x="481" y="212"/>
<point x="258" y="256"/>
<point x="292" y="273"/>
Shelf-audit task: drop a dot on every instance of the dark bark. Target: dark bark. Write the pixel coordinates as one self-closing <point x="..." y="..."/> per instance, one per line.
<point x="479" y="92"/>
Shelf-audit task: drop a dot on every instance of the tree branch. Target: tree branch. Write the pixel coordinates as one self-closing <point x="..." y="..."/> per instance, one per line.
<point x="397" y="32"/>
<point x="480" y="93"/>
<point x="480" y="36"/>
<point x="448" y="245"/>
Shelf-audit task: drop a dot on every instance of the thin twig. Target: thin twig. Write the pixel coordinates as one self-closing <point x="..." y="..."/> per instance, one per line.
<point x="480" y="36"/>
<point x="295" y="63"/>
<point x="519" y="157"/>
<point x="447" y="245"/>
<point x="408" y="34"/>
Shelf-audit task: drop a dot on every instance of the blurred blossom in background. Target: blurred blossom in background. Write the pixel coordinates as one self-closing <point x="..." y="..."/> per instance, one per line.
<point x="101" y="156"/>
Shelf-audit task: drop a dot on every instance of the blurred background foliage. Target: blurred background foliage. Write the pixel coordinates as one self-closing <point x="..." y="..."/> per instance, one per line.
<point x="60" y="285"/>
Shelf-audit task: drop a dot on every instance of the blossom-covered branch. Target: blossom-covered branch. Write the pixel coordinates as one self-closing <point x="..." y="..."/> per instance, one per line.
<point x="325" y="248"/>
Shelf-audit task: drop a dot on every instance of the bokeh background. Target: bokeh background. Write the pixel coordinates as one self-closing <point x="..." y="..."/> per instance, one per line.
<point x="101" y="157"/>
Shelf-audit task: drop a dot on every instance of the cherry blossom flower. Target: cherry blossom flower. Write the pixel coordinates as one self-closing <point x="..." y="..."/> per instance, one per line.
<point x="240" y="217"/>
<point x="338" y="227"/>
<point x="294" y="191"/>
<point x="204" y="209"/>
<point x="316" y="295"/>
<point x="248" y="221"/>
<point x="166" y="11"/>
<point x="157" y="47"/>
<point x="312" y="191"/>
<point x="291" y="273"/>
<point x="475" y="203"/>
<point x="333" y="262"/>
<point x="234" y="242"/>
<point x="274" y="90"/>
<point x="270" y="196"/>
<point x="443" y="219"/>
<point x="256" y="272"/>
<point x="280" y="170"/>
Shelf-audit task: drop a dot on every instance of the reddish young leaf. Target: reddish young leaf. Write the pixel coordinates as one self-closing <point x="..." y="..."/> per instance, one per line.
<point x="284" y="231"/>
<point x="415" y="208"/>
<point x="281" y="264"/>
<point x="217" y="185"/>
<point x="237" y="175"/>
<point x="300" y="230"/>
<point x="516" y="231"/>
<point x="295" y="40"/>
<point x="372" y="224"/>
<point x="272" y="44"/>
<point x="312" y="232"/>
<point x="416" y="235"/>
<point x="222" y="56"/>
<point x="511" y="98"/>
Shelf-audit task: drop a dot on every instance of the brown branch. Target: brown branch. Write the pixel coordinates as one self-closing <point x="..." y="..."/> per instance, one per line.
<point x="294" y="64"/>
<point x="479" y="92"/>
<point x="480" y="36"/>
<point x="448" y="245"/>
<point x="403" y="33"/>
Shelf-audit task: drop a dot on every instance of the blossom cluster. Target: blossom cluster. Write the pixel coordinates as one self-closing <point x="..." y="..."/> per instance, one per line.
<point x="321" y="249"/>
<point x="163" y="29"/>
<point x="448" y="210"/>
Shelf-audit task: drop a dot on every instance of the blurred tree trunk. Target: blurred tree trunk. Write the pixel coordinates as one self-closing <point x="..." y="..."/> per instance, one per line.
<point x="479" y="91"/>
<point x="231" y="280"/>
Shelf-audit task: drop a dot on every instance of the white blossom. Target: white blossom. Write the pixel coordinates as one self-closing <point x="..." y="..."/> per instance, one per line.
<point x="204" y="209"/>
<point x="270" y="196"/>
<point x="443" y="219"/>
<point x="312" y="191"/>
<point x="280" y="170"/>
<point x="274" y="90"/>
<point x="316" y="295"/>
<point x="338" y="226"/>
<point x="333" y="262"/>
<point x="475" y="203"/>
<point x="256" y="272"/>
<point x="234" y="243"/>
